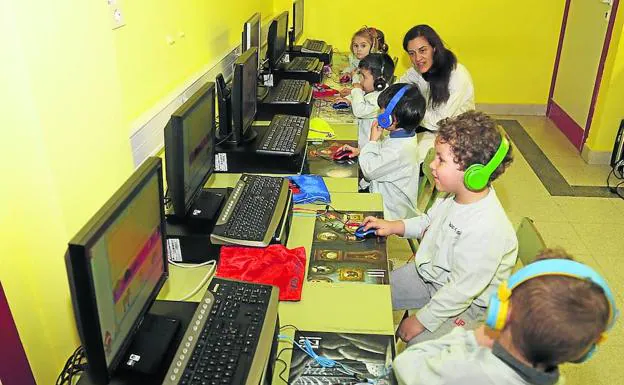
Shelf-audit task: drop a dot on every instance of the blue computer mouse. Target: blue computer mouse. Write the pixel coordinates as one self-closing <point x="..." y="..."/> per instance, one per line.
<point x="364" y="234"/>
<point x="340" y="105"/>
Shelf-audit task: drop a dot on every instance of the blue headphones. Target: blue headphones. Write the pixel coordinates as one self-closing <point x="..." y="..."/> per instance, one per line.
<point x="385" y="118"/>
<point x="498" y="308"/>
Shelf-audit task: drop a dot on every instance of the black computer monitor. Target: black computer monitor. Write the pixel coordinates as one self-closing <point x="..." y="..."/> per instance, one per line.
<point x="116" y="265"/>
<point x="244" y="95"/>
<point x="297" y="27"/>
<point x="276" y="39"/>
<point x="190" y="148"/>
<point x="251" y="33"/>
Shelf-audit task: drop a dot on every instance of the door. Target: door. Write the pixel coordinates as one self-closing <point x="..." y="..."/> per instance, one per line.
<point x="583" y="46"/>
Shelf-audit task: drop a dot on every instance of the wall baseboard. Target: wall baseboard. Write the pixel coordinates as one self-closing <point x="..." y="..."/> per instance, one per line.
<point x="147" y="131"/>
<point x="595" y="157"/>
<point x="512" y="109"/>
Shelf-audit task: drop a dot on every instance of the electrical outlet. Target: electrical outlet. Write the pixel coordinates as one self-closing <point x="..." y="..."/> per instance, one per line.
<point x="115" y="14"/>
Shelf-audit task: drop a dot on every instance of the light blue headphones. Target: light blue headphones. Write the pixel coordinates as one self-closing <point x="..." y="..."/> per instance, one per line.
<point x="498" y="308"/>
<point x="385" y="118"/>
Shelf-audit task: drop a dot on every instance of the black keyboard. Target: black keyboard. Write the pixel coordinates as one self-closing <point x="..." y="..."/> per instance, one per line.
<point x="229" y="338"/>
<point x="313" y="46"/>
<point x="290" y="91"/>
<point x="286" y="135"/>
<point x="253" y="211"/>
<point x="302" y="64"/>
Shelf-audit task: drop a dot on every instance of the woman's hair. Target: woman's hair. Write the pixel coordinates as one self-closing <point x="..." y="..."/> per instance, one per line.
<point x="444" y="62"/>
<point x="375" y="38"/>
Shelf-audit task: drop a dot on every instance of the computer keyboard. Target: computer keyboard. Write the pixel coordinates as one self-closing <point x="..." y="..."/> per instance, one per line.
<point x="313" y="46"/>
<point x="290" y="91"/>
<point x="253" y="211"/>
<point x="230" y="336"/>
<point x="286" y="135"/>
<point x="302" y="64"/>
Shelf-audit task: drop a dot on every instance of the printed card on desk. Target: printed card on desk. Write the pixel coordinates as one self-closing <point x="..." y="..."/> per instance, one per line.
<point x="338" y="256"/>
<point x="359" y="357"/>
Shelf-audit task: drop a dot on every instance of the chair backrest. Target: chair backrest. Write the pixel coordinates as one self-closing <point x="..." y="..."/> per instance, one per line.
<point x="530" y="242"/>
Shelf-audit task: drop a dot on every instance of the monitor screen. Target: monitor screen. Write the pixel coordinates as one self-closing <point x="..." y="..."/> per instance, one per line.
<point x="297" y="19"/>
<point x="189" y="148"/>
<point x="277" y="37"/>
<point x="251" y="33"/>
<point x="116" y="266"/>
<point x="244" y="92"/>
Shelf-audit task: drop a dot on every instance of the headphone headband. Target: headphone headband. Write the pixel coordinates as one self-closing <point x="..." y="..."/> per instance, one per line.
<point x="385" y="118"/>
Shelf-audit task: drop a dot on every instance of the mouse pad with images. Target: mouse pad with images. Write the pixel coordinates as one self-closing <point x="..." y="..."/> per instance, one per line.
<point x="320" y="160"/>
<point x="368" y="355"/>
<point x="337" y="255"/>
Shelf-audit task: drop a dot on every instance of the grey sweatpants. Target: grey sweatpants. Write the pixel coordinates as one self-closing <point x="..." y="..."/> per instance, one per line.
<point x="410" y="291"/>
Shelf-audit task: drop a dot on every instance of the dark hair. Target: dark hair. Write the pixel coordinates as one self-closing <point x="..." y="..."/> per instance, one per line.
<point x="473" y="138"/>
<point x="556" y="318"/>
<point x="410" y="110"/>
<point x="444" y="62"/>
<point x="382" y="47"/>
<point x="374" y="63"/>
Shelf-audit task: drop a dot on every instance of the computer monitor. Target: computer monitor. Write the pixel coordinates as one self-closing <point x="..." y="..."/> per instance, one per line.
<point x="244" y="95"/>
<point x="297" y="27"/>
<point x="251" y="34"/>
<point x="116" y="265"/>
<point x="190" y="148"/>
<point x="276" y="39"/>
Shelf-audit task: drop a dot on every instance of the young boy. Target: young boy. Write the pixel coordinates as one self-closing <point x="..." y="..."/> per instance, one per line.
<point x="375" y="69"/>
<point x="468" y="246"/>
<point x="551" y="319"/>
<point x="390" y="164"/>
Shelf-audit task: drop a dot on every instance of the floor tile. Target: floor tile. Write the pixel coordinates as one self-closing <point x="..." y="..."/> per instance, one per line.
<point x="603" y="369"/>
<point x="601" y="239"/>
<point x="589" y="210"/>
<point x="563" y="235"/>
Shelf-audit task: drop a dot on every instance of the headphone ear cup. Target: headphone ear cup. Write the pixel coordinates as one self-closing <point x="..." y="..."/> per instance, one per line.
<point x="496" y="316"/>
<point x="384" y="120"/>
<point x="379" y="84"/>
<point x="474" y="177"/>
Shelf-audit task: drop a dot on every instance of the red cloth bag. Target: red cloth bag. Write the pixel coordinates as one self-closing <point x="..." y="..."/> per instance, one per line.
<point x="273" y="265"/>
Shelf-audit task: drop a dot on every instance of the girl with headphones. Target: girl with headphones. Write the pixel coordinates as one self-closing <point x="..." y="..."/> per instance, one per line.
<point x="445" y="83"/>
<point x="366" y="40"/>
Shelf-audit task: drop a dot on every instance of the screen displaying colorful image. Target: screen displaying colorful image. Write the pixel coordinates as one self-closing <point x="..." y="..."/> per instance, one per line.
<point x="126" y="264"/>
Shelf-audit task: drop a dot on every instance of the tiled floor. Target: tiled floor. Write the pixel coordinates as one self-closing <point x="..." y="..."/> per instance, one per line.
<point x="591" y="229"/>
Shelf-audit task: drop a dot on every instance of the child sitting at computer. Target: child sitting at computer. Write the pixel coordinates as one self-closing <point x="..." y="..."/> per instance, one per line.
<point x="364" y="41"/>
<point x="552" y="311"/>
<point x="390" y="164"/>
<point x="468" y="246"/>
<point x="375" y="71"/>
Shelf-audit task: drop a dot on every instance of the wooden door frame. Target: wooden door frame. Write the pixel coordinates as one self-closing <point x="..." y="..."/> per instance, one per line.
<point x="574" y="132"/>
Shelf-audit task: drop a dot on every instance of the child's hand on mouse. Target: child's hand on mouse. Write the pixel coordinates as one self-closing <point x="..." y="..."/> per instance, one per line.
<point x="384" y="227"/>
<point x="354" y="150"/>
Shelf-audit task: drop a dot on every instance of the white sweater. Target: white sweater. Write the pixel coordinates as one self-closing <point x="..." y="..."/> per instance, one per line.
<point x="469" y="249"/>
<point x="391" y="166"/>
<point x="457" y="359"/>
<point x="365" y="109"/>
<point x="461" y="98"/>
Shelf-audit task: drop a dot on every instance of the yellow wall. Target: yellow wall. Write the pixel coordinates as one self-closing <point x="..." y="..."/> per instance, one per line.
<point x="508" y="46"/>
<point x="609" y="111"/>
<point x="70" y="86"/>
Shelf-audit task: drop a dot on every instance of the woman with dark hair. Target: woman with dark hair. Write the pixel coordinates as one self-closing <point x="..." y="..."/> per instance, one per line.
<point x="445" y="83"/>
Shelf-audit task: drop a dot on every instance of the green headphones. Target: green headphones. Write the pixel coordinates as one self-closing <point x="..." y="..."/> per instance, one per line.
<point x="477" y="176"/>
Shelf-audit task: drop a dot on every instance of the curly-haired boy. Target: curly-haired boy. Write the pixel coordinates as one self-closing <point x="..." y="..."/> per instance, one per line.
<point x="468" y="246"/>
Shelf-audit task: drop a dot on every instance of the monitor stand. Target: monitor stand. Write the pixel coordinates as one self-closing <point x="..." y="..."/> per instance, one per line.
<point x="188" y="238"/>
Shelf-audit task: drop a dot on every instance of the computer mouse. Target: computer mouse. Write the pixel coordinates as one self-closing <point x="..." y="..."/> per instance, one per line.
<point x="364" y="234"/>
<point x="341" y="155"/>
<point x="346" y="78"/>
<point x="340" y="105"/>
